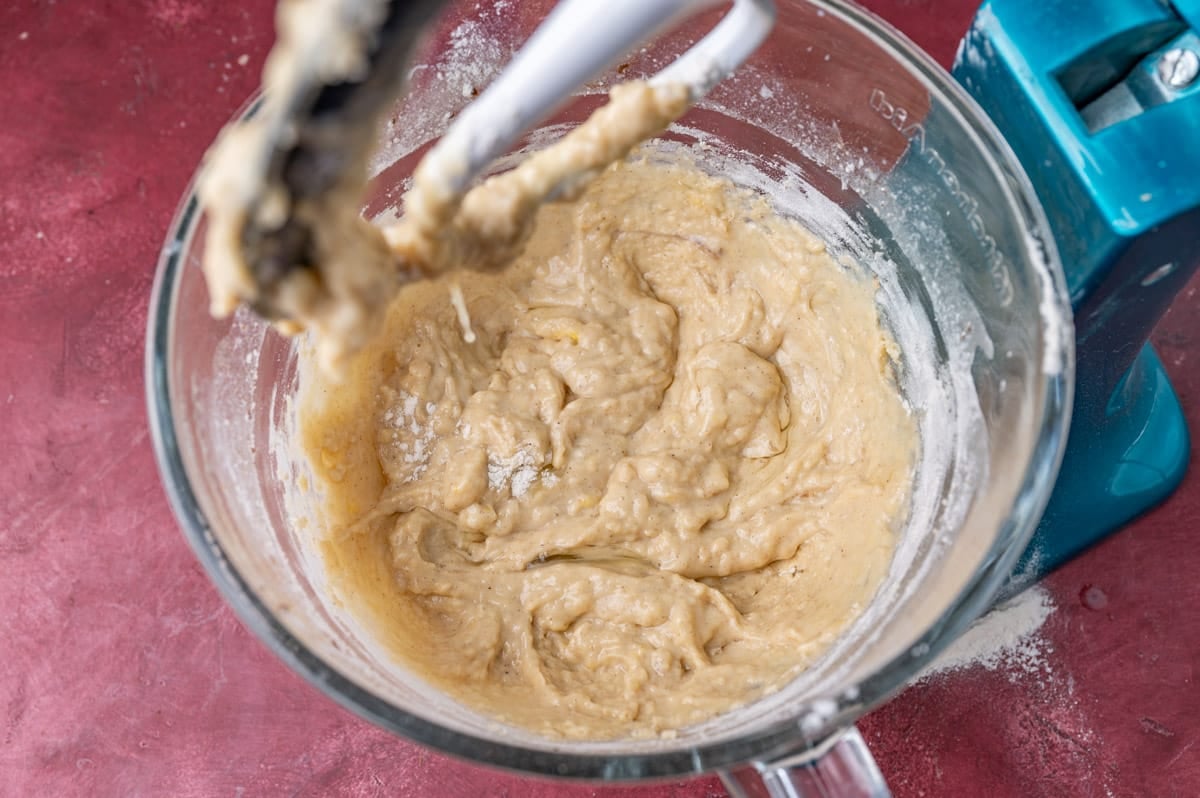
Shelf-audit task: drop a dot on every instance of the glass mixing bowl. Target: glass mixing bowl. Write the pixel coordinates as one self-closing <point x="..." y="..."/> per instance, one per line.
<point x="848" y="127"/>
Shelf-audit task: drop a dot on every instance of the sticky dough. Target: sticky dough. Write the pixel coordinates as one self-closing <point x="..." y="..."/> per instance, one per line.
<point x="662" y="479"/>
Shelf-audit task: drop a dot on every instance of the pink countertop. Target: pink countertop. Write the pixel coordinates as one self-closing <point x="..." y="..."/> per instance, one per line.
<point x="121" y="671"/>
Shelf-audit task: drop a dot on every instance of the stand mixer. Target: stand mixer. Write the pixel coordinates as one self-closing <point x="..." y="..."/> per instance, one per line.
<point x="1101" y="106"/>
<point x="1100" y="100"/>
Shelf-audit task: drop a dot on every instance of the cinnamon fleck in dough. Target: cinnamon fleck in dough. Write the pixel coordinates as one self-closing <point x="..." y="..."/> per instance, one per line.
<point x="662" y="479"/>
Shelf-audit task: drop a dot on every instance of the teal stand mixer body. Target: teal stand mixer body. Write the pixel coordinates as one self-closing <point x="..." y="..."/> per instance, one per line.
<point x="1100" y="100"/>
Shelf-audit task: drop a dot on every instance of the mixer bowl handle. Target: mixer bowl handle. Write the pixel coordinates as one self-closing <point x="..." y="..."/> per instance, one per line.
<point x="840" y="768"/>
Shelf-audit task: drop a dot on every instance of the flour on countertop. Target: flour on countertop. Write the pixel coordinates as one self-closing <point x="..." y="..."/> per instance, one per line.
<point x="1007" y="638"/>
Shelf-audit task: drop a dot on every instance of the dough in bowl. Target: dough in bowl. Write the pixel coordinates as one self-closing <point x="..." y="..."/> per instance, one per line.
<point x="644" y="474"/>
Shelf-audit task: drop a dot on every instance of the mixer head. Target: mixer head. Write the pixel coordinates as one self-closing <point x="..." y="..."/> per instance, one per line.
<point x="279" y="185"/>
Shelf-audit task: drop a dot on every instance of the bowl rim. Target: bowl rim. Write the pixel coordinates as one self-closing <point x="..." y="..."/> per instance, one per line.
<point x="783" y="738"/>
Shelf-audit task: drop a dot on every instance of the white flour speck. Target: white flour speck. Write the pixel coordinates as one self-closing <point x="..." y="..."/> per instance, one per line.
<point x="518" y="472"/>
<point x="402" y="416"/>
<point x="473" y="56"/>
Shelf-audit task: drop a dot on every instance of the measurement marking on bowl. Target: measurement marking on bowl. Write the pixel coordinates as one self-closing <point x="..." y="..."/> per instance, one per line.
<point x="915" y="132"/>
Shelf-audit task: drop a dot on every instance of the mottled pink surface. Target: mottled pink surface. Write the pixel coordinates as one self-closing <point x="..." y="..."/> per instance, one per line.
<point x="122" y="673"/>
